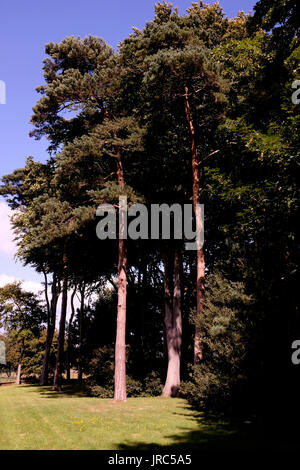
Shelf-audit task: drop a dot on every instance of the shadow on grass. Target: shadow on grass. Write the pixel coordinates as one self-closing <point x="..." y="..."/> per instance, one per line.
<point x="201" y="440"/>
<point x="209" y="436"/>
<point x="213" y="433"/>
<point x="68" y="391"/>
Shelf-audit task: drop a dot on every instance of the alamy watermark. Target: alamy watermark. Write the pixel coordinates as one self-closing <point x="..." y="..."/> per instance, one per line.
<point x="153" y="222"/>
<point x="296" y="353"/>
<point x="2" y="92"/>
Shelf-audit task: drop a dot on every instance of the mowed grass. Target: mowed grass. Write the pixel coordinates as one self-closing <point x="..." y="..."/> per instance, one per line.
<point x="32" y="417"/>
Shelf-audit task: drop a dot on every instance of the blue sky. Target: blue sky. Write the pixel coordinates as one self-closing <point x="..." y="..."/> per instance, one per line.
<point x="26" y="26"/>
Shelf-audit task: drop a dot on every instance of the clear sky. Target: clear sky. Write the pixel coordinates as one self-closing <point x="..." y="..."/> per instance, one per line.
<point x="26" y="26"/>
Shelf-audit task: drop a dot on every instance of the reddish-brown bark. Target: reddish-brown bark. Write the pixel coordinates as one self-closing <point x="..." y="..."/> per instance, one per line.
<point x="200" y="253"/>
<point x="120" y="393"/>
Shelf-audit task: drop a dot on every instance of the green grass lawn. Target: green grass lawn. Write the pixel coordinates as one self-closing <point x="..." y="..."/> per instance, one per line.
<point x="32" y="417"/>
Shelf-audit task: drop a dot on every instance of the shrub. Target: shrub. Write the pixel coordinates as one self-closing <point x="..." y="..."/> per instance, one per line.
<point x="100" y="382"/>
<point x="98" y="391"/>
<point x="153" y="385"/>
<point x="226" y="327"/>
<point x="93" y="389"/>
<point x="134" y="387"/>
<point x="101" y="367"/>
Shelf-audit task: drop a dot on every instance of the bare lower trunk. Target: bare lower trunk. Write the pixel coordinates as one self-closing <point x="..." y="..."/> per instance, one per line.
<point x="200" y="252"/>
<point x="200" y="304"/>
<point x="81" y="312"/>
<point x="44" y="373"/>
<point x="57" y="384"/>
<point x="45" y="367"/>
<point x="120" y="393"/>
<point x="50" y="330"/>
<point x="173" y="324"/>
<point x="120" y="349"/>
<point x="19" y="369"/>
<point x="68" y="362"/>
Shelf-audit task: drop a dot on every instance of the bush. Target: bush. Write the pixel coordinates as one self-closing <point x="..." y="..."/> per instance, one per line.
<point x="153" y="385"/>
<point x="134" y="387"/>
<point x="100" y="382"/>
<point x="94" y="390"/>
<point x="217" y="383"/>
<point x="209" y="390"/>
<point x="101" y="367"/>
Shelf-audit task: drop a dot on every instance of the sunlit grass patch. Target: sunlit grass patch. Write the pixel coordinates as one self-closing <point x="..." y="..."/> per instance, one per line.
<point x="32" y="417"/>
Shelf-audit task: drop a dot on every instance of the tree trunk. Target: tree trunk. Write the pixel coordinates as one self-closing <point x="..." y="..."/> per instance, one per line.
<point x="50" y="330"/>
<point x="45" y="367"/>
<point x="173" y="323"/>
<point x="69" y="335"/>
<point x="200" y="252"/>
<point x="57" y="384"/>
<point x="81" y="312"/>
<point x="120" y="393"/>
<point x="19" y="369"/>
<point x="200" y="304"/>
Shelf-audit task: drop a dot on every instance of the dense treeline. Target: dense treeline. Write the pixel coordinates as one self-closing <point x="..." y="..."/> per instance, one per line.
<point x="191" y="109"/>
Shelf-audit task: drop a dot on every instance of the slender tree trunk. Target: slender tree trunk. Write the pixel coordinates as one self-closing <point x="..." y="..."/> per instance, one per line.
<point x="200" y="253"/>
<point x="173" y="323"/>
<point x="120" y="393"/>
<point x="57" y="384"/>
<point x="44" y="373"/>
<point x="168" y="289"/>
<point x="81" y="312"/>
<point x="19" y="369"/>
<point x="69" y="335"/>
<point x="45" y="367"/>
<point x="55" y="291"/>
<point x="47" y="297"/>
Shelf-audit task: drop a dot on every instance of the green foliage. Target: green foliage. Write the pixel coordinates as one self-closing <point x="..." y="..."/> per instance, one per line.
<point x="226" y="325"/>
<point x="33" y="358"/>
<point x="97" y="391"/>
<point x="20" y="311"/>
<point x="134" y="387"/>
<point x="101" y="366"/>
<point x="100" y="371"/>
<point x="153" y="385"/>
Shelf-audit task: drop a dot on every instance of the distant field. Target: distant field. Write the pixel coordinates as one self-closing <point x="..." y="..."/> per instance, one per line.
<point x="4" y="377"/>
<point x="32" y="417"/>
